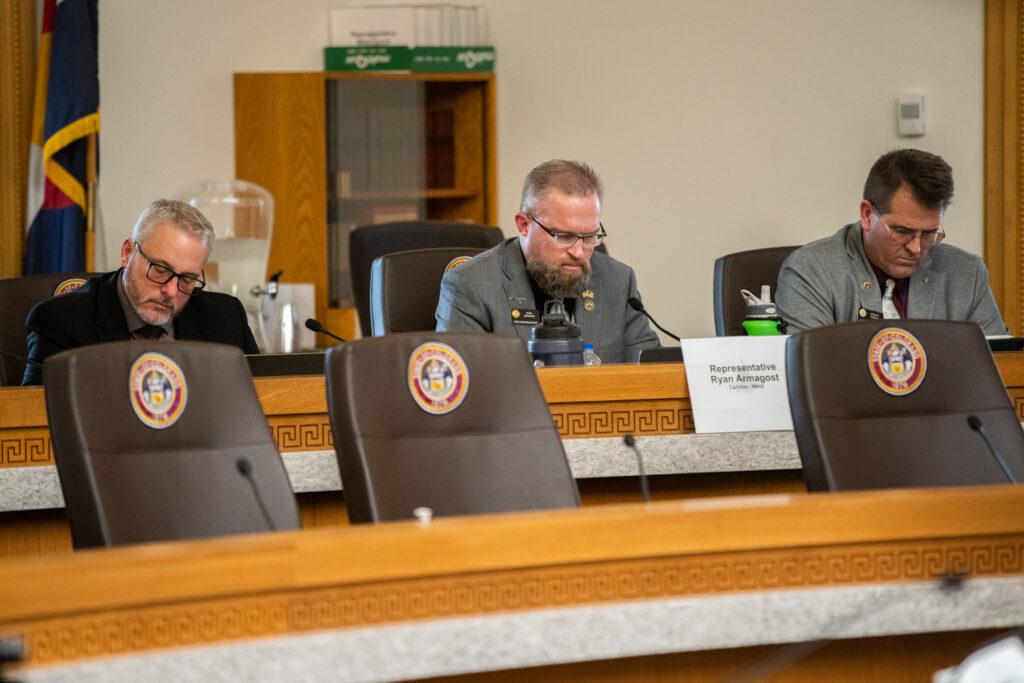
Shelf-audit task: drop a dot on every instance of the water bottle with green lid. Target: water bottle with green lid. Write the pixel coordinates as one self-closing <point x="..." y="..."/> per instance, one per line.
<point x="762" y="316"/>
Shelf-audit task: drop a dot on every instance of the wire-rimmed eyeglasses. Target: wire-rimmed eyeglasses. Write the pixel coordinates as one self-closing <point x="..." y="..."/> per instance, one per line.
<point x="904" y="236"/>
<point x="566" y="240"/>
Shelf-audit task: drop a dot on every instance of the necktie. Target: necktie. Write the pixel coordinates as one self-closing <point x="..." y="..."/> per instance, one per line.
<point x="149" y="333"/>
<point x="889" y="311"/>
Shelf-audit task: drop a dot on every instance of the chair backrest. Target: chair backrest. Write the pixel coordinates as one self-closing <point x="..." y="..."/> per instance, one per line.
<point x="148" y="436"/>
<point x="871" y="411"/>
<point x="451" y="421"/>
<point x="368" y="242"/>
<point x="404" y="287"/>
<point x="17" y="297"/>
<point x="743" y="270"/>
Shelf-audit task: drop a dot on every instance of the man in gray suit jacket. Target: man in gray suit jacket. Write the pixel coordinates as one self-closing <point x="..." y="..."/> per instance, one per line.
<point x="891" y="264"/>
<point x="503" y="290"/>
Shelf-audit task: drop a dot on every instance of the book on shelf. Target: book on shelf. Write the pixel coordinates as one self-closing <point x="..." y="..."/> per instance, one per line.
<point x="409" y="25"/>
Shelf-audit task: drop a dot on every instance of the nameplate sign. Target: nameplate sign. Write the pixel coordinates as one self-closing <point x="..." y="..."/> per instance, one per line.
<point x="738" y="384"/>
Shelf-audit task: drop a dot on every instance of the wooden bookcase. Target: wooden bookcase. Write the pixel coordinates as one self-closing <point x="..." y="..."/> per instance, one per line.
<point x="338" y="149"/>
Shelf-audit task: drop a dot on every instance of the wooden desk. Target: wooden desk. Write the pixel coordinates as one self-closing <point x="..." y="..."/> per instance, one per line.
<point x="586" y="403"/>
<point x="779" y="558"/>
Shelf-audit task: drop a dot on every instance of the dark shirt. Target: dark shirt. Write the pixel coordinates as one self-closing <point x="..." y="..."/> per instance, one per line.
<point x="900" y="293"/>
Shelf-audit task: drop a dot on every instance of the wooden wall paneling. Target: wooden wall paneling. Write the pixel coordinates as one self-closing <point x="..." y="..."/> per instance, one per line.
<point x="17" y="83"/>
<point x="1004" y="189"/>
<point x="280" y="144"/>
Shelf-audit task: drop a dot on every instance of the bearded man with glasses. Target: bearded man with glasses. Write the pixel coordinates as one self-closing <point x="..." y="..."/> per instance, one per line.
<point x="504" y="290"/>
<point x="892" y="263"/>
<point x="157" y="294"/>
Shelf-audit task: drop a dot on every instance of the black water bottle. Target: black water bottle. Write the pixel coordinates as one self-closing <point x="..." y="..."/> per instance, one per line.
<point x="556" y="340"/>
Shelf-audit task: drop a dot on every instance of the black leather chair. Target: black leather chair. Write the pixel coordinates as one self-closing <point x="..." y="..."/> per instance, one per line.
<point x="17" y="297"/>
<point x="496" y="451"/>
<point x="853" y="434"/>
<point x="368" y="242"/>
<point x="404" y="288"/>
<point x="125" y="481"/>
<point x="743" y="270"/>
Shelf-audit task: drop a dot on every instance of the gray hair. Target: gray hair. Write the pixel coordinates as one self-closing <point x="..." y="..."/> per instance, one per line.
<point x="185" y="216"/>
<point x="573" y="178"/>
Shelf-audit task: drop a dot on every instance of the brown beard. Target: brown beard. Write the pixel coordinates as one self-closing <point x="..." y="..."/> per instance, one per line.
<point x="558" y="283"/>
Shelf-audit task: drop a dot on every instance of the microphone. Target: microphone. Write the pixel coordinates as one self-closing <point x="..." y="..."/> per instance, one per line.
<point x="974" y="422"/>
<point x="638" y="306"/>
<point x="948" y="583"/>
<point x="314" y="325"/>
<point x="245" y="469"/>
<point x="630" y="441"/>
<point x="27" y="361"/>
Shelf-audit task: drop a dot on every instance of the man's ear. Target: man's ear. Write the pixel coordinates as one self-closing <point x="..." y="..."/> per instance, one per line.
<point x="866" y="211"/>
<point x="127" y="247"/>
<point x="522" y="223"/>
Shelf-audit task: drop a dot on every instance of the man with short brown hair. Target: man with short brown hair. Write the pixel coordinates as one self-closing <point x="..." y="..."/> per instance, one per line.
<point x="891" y="263"/>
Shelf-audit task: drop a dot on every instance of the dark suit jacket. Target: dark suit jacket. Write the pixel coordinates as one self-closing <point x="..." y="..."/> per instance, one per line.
<point x="92" y="315"/>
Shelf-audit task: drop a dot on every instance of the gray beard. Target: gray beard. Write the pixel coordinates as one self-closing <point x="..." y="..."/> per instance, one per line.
<point x="558" y="283"/>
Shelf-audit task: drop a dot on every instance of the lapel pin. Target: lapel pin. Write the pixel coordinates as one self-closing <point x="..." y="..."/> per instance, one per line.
<point x="588" y="304"/>
<point x="588" y="294"/>
<point x="866" y="284"/>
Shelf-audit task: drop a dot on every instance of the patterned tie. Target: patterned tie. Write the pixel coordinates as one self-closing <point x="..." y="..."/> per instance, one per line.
<point x="889" y="311"/>
<point x="149" y="333"/>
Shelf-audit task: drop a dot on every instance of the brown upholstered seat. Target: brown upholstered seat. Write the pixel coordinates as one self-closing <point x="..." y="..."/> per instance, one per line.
<point x="126" y="482"/>
<point x="743" y="270"/>
<point x="497" y="451"/>
<point x="368" y="242"/>
<point x="404" y="288"/>
<point x="854" y="435"/>
<point x="17" y="297"/>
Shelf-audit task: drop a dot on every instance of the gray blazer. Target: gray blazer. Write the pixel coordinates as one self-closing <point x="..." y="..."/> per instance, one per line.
<point x="829" y="281"/>
<point x="481" y="294"/>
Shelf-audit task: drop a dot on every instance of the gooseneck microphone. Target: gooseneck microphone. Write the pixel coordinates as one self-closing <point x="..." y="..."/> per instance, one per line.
<point x="245" y="469"/>
<point x="630" y="441"/>
<point x="974" y="422"/>
<point x="27" y="361"/>
<point x="638" y="306"/>
<point x="314" y="325"/>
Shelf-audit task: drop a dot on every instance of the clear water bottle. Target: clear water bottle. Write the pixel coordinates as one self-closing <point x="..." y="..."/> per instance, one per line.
<point x="589" y="357"/>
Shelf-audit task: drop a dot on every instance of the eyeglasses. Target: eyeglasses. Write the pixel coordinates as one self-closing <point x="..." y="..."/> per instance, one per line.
<point x="161" y="275"/>
<point x="567" y="240"/>
<point x="904" y="236"/>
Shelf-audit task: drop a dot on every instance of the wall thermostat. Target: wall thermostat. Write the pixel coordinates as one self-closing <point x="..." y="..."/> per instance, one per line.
<point x="911" y="115"/>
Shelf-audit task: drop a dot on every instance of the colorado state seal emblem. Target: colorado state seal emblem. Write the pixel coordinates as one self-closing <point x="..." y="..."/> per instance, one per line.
<point x="438" y="378"/>
<point x="69" y="285"/>
<point x="897" y="361"/>
<point x="457" y="261"/>
<point x="158" y="390"/>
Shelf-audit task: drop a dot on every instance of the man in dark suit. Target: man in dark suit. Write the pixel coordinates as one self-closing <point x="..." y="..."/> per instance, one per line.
<point x="156" y="294"/>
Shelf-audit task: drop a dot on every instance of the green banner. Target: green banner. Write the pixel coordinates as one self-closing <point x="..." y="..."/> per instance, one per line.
<point x="368" y="58"/>
<point x="470" y="58"/>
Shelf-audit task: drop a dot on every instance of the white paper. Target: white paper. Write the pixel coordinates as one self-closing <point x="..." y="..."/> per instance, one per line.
<point x="738" y="384"/>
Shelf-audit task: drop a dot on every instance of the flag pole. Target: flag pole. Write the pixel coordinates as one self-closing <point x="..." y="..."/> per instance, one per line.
<point x="90" y="203"/>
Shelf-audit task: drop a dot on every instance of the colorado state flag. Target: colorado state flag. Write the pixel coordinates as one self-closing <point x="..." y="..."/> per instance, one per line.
<point x="65" y="113"/>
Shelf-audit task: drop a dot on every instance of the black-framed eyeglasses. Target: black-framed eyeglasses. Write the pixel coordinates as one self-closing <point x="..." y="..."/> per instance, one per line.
<point x="161" y="275"/>
<point x="904" y="236"/>
<point x="567" y="240"/>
